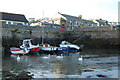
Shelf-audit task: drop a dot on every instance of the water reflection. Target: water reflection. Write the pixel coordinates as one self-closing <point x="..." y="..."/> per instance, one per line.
<point x="70" y="65"/>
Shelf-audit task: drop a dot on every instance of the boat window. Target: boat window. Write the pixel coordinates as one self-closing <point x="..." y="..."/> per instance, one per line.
<point x="32" y="42"/>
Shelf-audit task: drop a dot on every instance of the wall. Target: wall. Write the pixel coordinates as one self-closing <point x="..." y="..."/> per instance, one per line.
<point x="104" y="32"/>
<point x="27" y="32"/>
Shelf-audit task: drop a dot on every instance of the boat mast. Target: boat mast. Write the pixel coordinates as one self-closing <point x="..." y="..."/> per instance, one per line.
<point x="43" y="29"/>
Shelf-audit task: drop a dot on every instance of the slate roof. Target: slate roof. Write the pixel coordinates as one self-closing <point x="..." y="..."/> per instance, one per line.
<point x="100" y="21"/>
<point x="65" y="15"/>
<point x="13" y="17"/>
<point x="75" y="18"/>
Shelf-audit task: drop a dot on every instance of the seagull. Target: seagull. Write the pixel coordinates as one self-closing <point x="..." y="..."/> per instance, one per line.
<point x="80" y="59"/>
<point x="18" y="57"/>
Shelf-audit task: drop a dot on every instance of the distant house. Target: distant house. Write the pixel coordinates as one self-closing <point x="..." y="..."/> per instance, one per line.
<point x="31" y="20"/>
<point x="100" y="22"/>
<point x="73" y="21"/>
<point x="113" y="23"/>
<point x="51" y="25"/>
<point x="13" y="19"/>
<point x="56" y="21"/>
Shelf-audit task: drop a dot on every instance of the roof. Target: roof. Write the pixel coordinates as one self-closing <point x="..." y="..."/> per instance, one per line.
<point x="70" y="17"/>
<point x="65" y="15"/>
<point x="100" y="21"/>
<point x="46" y="23"/>
<point x="75" y="18"/>
<point x="13" y="17"/>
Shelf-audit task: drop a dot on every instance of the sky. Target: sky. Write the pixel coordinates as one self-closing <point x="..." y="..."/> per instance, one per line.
<point x="89" y="9"/>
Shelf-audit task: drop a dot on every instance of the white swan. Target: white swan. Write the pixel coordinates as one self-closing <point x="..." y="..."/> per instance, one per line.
<point x="61" y="56"/>
<point x="18" y="57"/>
<point x="81" y="58"/>
<point x="46" y="57"/>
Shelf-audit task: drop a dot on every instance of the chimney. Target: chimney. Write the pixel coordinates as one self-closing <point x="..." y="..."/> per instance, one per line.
<point x="80" y="16"/>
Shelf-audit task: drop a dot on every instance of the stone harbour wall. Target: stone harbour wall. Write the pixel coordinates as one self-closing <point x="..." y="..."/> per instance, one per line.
<point x="104" y="32"/>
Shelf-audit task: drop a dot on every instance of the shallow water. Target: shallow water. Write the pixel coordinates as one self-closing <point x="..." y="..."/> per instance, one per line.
<point x="68" y="65"/>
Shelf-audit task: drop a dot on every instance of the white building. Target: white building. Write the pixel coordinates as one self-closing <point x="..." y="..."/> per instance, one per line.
<point x="13" y="19"/>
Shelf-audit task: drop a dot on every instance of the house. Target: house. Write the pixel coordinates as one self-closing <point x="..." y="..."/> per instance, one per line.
<point x="56" y="21"/>
<point x="100" y="22"/>
<point x="113" y="23"/>
<point x="46" y="24"/>
<point x="73" y="21"/>
<point x="31" y="20"/>
<point x="13" y="19"/>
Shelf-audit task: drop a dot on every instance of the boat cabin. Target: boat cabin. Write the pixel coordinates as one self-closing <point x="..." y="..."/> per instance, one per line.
<point x="27" y="43"/>
<point x="65" y="42"/>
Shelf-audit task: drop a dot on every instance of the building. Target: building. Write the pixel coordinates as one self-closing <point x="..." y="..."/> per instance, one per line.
<point x="114" y="23"/>
<point x="73" y="21"/>
<point x="31" y="20"/>
<point x="13" y="19"/>
<point x="100" y="22"/>
<point x="57" y="21"/>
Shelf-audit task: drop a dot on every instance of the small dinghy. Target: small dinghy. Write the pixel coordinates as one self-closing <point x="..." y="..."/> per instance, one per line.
<point x="15" y="50"/>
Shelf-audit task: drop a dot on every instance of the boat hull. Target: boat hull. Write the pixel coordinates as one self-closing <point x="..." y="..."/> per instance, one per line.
<point x="66" y="50"/>
<point x="35" y="49"/>
<point x="15" y="50"/>
<point x="48" y="48"/>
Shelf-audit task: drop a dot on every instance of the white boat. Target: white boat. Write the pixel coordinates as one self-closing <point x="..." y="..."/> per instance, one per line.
<point x="46" y="47"/>
<point x="65" y="44"/>
<point x="25" y="48"/>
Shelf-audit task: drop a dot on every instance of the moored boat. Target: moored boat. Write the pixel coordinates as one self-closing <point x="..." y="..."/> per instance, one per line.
<point x="28" y="43"/>
<point x="69" y="46"/>
<point x="25" y="48"/>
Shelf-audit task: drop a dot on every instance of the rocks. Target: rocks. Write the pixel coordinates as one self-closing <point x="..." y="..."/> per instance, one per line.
<point x="88" y="70"/>
<point x="100" y="75"/>
<point x="7" y="75"/>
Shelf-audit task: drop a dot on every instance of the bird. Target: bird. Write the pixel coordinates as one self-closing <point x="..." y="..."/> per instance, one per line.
<point x="18" y="57"/>
<point x="46" y="57"/>
<point x="81" y="58"/>
<point x="61" y="56"/>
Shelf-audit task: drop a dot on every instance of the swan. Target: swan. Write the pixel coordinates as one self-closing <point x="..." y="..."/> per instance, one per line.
<point x="18" y="57"/>
<point x="61" y="56"/>
<point x="46" y="57"/>
<point x="81" y="58"/>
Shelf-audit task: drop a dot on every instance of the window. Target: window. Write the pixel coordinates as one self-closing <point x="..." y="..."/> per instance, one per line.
<point x="9" y="22"/>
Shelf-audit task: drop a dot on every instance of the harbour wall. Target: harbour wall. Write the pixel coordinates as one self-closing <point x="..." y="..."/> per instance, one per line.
<point x="12" y="35"/>
<point x="104" y="32"/>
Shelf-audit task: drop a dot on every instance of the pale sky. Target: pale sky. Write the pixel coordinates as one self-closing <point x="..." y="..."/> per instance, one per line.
<point x="89" y="9"/>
